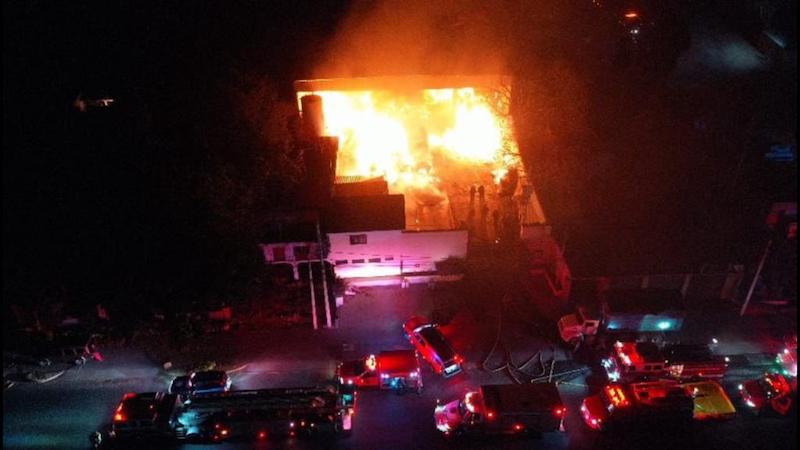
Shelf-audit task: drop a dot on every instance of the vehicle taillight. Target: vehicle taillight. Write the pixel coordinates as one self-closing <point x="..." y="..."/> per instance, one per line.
<point x="262" y="434"/>
<point x="119" y="417"/>
<point x="129" y="395"/>
<point x="223" y="432"/>
<point x="459" y="359"/>
<point x="559" y="411"/>
<point x="518" y="427"/>
<point x="490" y="414"/>
<point x="631" y="15"/>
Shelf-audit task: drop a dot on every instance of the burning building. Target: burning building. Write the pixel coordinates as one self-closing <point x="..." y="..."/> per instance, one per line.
<point x="420" y="165"/>
<point x="433" y="139"/>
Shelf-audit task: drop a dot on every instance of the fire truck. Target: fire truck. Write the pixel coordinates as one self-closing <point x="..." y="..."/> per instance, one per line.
<point x="396" y="369"/>
<point x="647" y="401"/>
<point x="260" y="414"/>
<point x="144" y="416"/>
<point x="503" y="409"/>
<point x="691" y="361"/>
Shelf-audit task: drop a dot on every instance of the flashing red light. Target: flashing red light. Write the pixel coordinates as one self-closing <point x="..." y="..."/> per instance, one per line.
<point x="119" y="417"/>
<point x="262" y="434"/>
<point x="631" y="15"/>
<point x="560" y="411"/>
<point x="518" y="427"/>
<point x="616" y="396"/>
<point x="490" y="415"/>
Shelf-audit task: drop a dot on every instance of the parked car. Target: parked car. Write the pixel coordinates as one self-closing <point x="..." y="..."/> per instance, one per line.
<point x="209" y="382"/>
<point x="433" y="346"/>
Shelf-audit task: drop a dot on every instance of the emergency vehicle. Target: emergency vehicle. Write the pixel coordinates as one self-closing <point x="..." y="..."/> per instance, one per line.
<point x="144" y="416"/>
<point x="396" y="369"/>
<point x="259" y="414"/>
<point x="688" y="361"/>
<point x="632" y="360"/>
<point x="503" y="409"/>
<point x="648" y="401"/>
<point x="773" y="391"/>
<point x="433" y="346"/>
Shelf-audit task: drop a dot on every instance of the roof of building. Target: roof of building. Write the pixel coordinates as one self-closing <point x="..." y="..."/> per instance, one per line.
<point x="364" y="213"/>
<point x="359" y="186"/>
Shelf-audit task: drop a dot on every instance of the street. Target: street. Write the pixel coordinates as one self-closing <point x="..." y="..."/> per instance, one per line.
<point x="62" y="413"/>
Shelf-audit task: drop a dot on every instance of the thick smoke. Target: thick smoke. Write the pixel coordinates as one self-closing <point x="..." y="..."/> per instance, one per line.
<point x="399" y="37"/>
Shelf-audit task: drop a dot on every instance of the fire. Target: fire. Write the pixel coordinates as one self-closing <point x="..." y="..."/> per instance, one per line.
<point x="419" y="140"/>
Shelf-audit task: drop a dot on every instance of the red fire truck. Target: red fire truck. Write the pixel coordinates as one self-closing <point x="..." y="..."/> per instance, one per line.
<point x="395" y="369"/>
<point x="646" y="401"/>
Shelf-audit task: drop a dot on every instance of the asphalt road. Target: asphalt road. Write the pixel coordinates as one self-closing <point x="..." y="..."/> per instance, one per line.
<point x="62" y="413"/>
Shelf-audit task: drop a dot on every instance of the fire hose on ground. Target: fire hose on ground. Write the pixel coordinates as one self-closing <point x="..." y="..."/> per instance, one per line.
<point x="547" y="368"/>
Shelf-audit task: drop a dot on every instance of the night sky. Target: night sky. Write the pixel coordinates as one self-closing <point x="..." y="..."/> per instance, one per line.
<point x="100" y="204"/>
<point x="140" y="202"/>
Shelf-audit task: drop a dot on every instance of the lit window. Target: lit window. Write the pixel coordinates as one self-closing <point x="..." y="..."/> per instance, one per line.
<point x="358" y="239"/>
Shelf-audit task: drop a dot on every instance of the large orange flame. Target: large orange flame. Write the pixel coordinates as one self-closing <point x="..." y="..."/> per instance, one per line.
<point x="417" y="140"/>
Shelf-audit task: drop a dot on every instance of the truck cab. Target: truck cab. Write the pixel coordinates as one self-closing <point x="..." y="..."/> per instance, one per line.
<point x="772" y="391"/>
<point x="503" y="409"/>
<point x="631" y="360"/>
<point x="573" y="328"/>
<point x="395" y="369"/>
<point x="143" y="416"/>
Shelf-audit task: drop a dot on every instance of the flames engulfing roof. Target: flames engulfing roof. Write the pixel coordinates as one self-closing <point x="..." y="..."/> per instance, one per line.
<point x="402" y="83"/>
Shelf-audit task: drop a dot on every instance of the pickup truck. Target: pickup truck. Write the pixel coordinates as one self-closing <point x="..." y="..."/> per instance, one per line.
<point x="503" y="409"/>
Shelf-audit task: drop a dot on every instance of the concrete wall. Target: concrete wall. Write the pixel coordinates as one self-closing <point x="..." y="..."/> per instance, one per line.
<point x="387" y="253"/>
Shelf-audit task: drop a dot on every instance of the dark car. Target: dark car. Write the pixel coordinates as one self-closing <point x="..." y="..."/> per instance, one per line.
<point x="433" y="346"/>
<point x="209" y="382"/>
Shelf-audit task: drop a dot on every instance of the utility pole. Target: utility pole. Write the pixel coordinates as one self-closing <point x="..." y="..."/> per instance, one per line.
<point x="755" y="278"/>
<point x="328" y="322"/>
<point x="313" y="296"/>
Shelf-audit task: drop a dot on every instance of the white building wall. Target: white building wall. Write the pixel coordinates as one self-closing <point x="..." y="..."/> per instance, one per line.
<point x="393" y="252"/>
